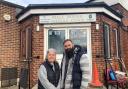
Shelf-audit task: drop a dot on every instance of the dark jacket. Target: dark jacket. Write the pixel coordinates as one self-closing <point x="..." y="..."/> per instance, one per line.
<point x="53" y="76"/>
<point x="76" y="72"/>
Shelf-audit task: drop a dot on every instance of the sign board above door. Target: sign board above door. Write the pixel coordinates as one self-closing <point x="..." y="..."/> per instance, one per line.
<point x="67" y="18"/>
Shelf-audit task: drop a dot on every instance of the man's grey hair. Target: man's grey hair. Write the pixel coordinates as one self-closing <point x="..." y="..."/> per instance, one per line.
<point x="50" y="50"/>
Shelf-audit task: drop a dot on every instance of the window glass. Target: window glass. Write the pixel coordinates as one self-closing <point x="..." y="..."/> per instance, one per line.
<point x="79" y="37"/>
<point x="106" y="41"/>
<point x="55" y="40"/>
<point x="116" y="46"/>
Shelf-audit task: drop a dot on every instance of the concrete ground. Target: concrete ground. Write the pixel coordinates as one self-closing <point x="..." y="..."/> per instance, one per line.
<point x="16" y="87"/>
<point x="35" y="87"/>
<point x="12" y="87"/>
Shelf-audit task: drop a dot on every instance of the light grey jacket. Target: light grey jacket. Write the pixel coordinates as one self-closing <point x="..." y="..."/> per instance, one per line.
<point x="84" y="65"/>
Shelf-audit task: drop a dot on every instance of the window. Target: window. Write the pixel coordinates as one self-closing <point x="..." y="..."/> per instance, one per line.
<point x="55" y="40"/>
<point x="23" y="43"/>
<point x="26" y="43"/>
<point x="116" y="46"/>
<point x="57" y="36"/>
<point x="79" y="37"/>
<point x="106" y="35"/>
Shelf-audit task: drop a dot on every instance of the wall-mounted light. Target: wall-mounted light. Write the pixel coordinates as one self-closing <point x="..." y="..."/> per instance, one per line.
<point x="97" y="26"/>
<point x="7" y="17"/>
<point x="37" y="28"/>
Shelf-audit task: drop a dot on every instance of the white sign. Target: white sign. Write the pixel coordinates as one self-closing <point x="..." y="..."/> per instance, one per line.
<point x="70" y="18"/>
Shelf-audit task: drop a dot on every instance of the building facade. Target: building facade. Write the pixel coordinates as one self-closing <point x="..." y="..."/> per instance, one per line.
<point x="9" y="40"/>
<point x="95" y="26"/>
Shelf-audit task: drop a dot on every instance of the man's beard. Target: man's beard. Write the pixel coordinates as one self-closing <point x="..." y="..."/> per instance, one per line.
<point x="69" y="52"/>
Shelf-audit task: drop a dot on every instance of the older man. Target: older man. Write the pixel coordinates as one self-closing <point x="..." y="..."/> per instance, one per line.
<point x="49" y="72"/>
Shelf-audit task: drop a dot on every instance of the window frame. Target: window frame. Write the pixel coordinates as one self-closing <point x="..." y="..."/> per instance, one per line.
<point x="107" y="42"/>
<point x="116" y="42"/>
<point x="26" y="43"/>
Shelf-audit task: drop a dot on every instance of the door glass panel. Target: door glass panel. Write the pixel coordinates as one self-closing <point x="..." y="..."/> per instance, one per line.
<point x="79" y="37"/>
<point x="55" y="40"/>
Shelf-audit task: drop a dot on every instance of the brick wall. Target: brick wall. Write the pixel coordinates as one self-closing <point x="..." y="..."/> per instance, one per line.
<point x="123" y="34"/>
<point x="124" y="43"/>
<point x="98" y="43"/>
<point x="9" y="38"/>
<point x="38" y="49"/>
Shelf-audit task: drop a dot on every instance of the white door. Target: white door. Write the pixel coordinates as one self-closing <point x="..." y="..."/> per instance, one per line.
<point x="79" y="35"/>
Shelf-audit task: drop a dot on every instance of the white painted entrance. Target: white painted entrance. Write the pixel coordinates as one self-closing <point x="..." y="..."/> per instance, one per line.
<point x="80" y="34"/>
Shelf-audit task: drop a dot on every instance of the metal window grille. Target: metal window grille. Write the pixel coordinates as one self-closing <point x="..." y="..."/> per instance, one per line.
<point x="8" y="77"/>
